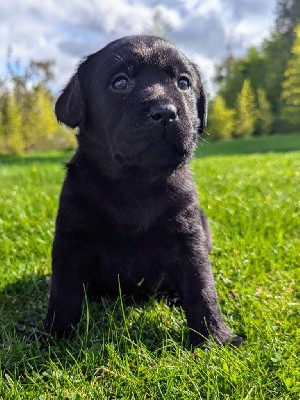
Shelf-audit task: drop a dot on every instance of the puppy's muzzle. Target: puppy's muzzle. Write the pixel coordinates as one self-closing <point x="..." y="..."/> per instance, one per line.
<point x="163" y="113"/>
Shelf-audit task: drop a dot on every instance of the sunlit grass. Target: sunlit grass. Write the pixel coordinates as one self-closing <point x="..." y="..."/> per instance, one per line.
<point x="126" y="350"/>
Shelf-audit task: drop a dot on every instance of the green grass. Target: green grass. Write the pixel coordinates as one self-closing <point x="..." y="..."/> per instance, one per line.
<point x="126" y="350"/>
<point x="258" y="144"/>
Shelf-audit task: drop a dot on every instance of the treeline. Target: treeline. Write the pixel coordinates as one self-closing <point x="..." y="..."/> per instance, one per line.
<point x="259" y="93"/>
<point x="27" y="120"/>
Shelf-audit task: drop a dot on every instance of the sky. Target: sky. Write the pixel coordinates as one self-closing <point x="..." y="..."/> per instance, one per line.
<point x="68" y="30"/>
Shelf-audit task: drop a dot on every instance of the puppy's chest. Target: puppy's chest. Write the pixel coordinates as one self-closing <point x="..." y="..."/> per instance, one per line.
<point x="134" y="213"/>
<point x="138" y="217"/>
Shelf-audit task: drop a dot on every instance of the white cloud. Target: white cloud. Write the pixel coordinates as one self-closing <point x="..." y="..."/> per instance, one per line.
<point x="206" y="68"/>
<point x="68" y="30"/>
<point x="246" y="31"/>
<point x="209" y="6"/>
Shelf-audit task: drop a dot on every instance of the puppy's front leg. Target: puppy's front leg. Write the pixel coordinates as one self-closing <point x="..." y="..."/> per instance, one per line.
<point x="200" y="300"/>
<point x="66" y="290"/>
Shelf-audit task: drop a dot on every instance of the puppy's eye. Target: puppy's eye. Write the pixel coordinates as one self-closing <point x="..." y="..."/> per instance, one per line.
<point x="183" y="83"/>
<point x="120" y="83"/>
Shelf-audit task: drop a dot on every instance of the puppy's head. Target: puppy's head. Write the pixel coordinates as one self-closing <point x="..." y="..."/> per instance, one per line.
<point x="140" y="100"/>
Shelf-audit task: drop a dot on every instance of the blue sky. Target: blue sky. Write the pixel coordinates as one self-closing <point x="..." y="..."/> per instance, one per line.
<point x="67" y="30"/>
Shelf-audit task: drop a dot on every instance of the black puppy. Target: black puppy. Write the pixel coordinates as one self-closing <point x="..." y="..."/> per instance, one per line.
<point x="128" y="208"/>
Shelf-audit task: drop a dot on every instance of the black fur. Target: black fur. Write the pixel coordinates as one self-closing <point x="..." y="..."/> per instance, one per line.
<point x="128" y="206"/>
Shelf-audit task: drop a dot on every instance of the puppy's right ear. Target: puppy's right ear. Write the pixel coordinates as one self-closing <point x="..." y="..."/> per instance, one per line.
<point x="202" y="111"/>
<point x="69" y="107"/>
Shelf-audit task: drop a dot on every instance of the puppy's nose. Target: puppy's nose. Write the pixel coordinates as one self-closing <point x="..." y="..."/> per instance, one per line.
<point x="163" y="113"/>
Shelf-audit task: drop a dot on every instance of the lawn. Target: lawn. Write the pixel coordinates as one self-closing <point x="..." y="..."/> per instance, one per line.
<point x="126" y="350"/>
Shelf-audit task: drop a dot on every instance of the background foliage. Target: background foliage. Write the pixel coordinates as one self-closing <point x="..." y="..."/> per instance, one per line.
<point x="271" y="74"/>
<point x="27" y="120"/>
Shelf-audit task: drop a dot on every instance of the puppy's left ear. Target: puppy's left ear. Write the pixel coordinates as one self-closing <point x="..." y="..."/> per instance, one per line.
<point x="202" y="111"/>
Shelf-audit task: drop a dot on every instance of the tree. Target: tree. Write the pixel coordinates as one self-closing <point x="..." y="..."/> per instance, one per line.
<point x="246" y="111"/>
<point x="160" y="26"/>
<point x="264" y="115"/>
<point x="41" y="71"/>
<point x="39" y="121"/>
<point x="232" y="73"/>
<point x="48" y="122"/>
<point x="276" y="50"/>
<point x="13" y="126"/>
<point x="265" y="65"/>
<point x="3" y="106"/>
<point x="291" y="85"/>
<point x="27" y="120"/>
<point x="220" y="119"/>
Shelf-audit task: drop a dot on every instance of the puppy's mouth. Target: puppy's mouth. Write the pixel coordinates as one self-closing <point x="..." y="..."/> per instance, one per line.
<point x="141" y="160"/>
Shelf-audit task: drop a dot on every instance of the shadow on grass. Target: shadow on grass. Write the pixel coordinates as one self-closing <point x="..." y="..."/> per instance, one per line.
<point x="113" y="325"/>
<point x="37" y="158"/>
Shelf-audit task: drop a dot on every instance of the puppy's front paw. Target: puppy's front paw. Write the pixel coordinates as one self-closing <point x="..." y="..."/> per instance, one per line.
<point x="234" y="341"/>
<point x="58" y="331"/>
<point x="220" y="339"/>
